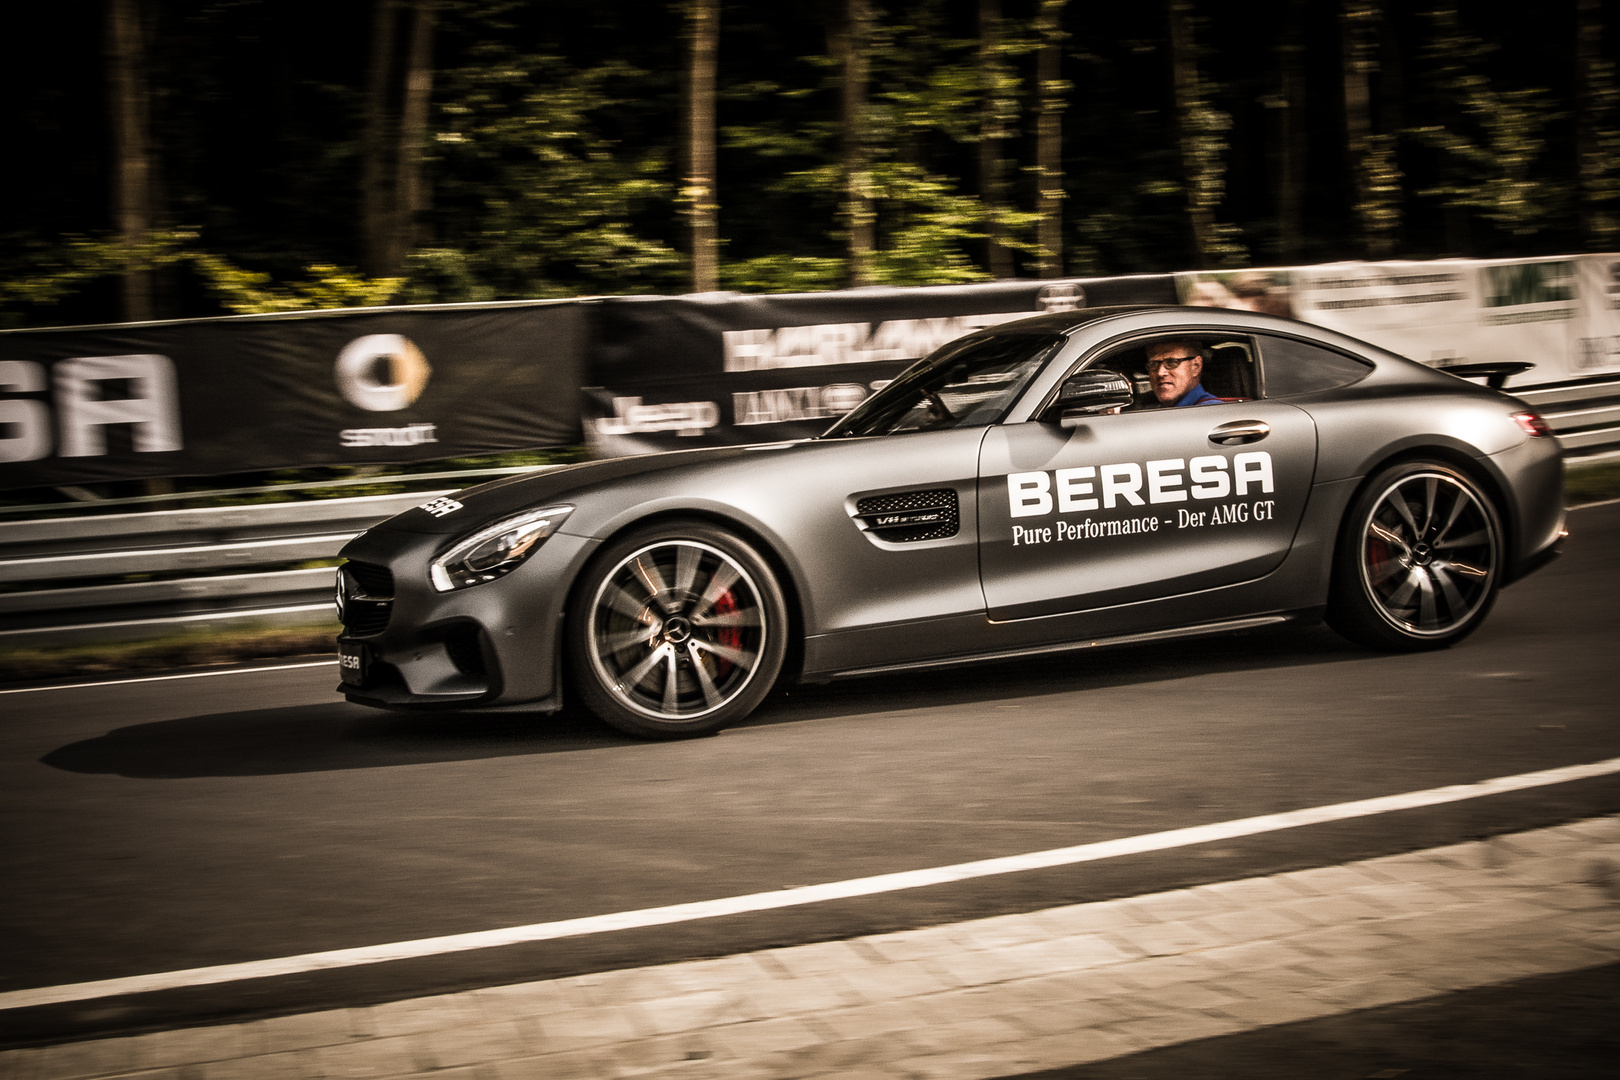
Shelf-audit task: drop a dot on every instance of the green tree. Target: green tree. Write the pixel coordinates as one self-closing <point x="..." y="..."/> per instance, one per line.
<point x="1491" y="140"/>
<point x="532" y="197"/>
<point x="1202" y="135"/>
<point x="393" y="194"/>
<point x="1050" y="94"/>
<point x="893" y="187"/>
<point x="1375" y="176"/>
<point x="998" y="112"/>
<point x="1597" y="139"/>
<point x="698" y="198"/>
<point x="129" y="107"/>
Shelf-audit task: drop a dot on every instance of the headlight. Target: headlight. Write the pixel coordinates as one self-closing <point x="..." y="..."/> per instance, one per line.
<point x="498" y="550"/>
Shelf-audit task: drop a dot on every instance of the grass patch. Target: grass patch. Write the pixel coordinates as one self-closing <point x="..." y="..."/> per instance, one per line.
<point x="182" y="649"/>
<point x="1592" y="483"/>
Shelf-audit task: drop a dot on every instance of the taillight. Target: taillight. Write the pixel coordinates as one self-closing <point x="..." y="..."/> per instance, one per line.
<point x="1533" y="425"/>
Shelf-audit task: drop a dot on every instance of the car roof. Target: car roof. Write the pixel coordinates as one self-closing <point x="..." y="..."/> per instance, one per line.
<point x="1059" y="322"/>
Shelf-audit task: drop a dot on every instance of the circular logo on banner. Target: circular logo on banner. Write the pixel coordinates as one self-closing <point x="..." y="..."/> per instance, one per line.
<point x="381" y="372"/>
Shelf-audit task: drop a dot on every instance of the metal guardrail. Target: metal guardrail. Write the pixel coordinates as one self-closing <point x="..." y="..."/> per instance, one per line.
<point x="225" y="565"/>
<point x="194" y="561"/>
<point x="215" y="494"/>
<point x="1584" y="415"/>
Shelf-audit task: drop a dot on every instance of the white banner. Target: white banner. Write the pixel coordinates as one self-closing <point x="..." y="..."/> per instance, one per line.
<point x="1560" y="314"/>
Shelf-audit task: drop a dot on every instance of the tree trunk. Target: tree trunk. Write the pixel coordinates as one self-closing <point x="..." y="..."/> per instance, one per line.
<point x="1369" y="157"/>
<point x="1049" y="139"/>
<point x="1356" y="64"/>
<point x="1189" y="122"/>
<point x="129" y="108"/>
<point x="859" y="217"/>
<point x="1290" y="137"/>
<point x="376" y="189"/>
<point x="409" y="191"/>
<point x="992" y="132"/>
<point x="1388" y="178"/>
<point x="699" y="192"/>
<point x="1595" y="101"/>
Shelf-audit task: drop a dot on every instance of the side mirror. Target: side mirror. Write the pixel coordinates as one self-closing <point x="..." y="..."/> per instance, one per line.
<point x="1089" y="393"/>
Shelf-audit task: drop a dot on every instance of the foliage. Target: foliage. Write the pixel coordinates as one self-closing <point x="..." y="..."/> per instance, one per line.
<point x="180" y="649"/>
<point x="1603" y="182"/>
<point x="1586" y="484"/>
<point x="248" y="292"/>
<point x="553" y="162"/>
<point x="542" y="201"/>
<point x="919" y="125"/>
<point x="1492" y="138"/>
<point x="82" y="259"/>
<point x="782" y="273"/>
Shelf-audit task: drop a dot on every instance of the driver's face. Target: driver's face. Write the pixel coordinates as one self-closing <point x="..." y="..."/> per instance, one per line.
<point x="1171" y="378"/>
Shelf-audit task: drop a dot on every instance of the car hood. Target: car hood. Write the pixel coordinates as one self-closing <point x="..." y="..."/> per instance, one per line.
<point x="512" y="494"/>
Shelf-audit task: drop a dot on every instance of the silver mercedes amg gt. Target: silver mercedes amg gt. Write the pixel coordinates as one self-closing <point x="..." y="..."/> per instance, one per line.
<point x="1043" y="485"/>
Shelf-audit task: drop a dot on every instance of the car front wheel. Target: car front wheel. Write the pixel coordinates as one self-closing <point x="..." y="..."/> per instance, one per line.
<point x="1419" y="561"/>
<point x="676" y="630"/>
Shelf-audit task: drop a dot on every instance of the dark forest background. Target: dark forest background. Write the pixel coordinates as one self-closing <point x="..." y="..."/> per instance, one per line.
<point x="169" y="158"/>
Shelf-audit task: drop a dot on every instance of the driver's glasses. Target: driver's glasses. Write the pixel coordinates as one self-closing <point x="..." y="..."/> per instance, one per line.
<point x="1169" y="363"/>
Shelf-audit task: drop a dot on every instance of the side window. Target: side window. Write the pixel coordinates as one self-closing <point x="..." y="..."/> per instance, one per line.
<point x="1225" y="369"/>
<point x="1295" y="367"/>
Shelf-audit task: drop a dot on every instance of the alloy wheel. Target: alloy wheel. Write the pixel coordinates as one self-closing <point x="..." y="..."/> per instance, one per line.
<point x="677" y="630"/>
<point x="1429" y="554"/>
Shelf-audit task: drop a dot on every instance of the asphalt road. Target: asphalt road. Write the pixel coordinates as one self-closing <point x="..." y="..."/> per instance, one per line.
<point x="154" y="826"/>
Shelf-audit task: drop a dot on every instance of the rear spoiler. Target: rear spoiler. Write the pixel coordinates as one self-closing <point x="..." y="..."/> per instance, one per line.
<point x="1495" y="374"/>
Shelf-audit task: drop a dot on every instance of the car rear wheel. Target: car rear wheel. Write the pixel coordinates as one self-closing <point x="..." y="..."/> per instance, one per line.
<point x="676" y="630"/>
<point x="1419" y="561"/>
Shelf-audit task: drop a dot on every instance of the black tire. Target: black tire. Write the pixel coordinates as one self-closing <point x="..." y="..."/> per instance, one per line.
<point x="676" y="630"/>
<point x="1419" y="560"/>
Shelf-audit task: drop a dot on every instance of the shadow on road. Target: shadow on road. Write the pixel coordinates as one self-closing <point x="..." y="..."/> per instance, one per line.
<point x="339" y="736"/>
<point x="320" y="738"/>
<point x="1064" y="672"/>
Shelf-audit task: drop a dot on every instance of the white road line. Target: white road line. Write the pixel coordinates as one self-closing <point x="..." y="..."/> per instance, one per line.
<point x="163" y="678"/>
<point x="808" y="894"/>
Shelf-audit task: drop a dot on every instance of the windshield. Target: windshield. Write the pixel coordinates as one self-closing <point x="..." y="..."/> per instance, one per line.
<point x="967" y="383"/>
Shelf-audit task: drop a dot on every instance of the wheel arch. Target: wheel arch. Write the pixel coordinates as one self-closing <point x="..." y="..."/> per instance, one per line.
<point x="786" y="578"/>
<point x="1478" y="469"/>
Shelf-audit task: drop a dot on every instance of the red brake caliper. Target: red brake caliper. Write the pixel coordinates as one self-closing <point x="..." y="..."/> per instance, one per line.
<point x="730" y="636"/>
<point x="1377" y="552"/>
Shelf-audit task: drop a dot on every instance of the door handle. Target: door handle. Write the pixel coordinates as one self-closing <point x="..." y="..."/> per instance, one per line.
<point x="1240" y="431"/>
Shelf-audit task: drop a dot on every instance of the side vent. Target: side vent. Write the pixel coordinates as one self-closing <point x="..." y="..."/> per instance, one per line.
<point x="909" y="516"/>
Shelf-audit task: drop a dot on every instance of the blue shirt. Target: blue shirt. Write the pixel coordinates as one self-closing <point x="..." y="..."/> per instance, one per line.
<point x="1196" y="396"/>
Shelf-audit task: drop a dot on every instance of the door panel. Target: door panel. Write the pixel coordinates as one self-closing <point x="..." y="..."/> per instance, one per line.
<point x="1140" y="505"/>
<point x="884" y="529"/>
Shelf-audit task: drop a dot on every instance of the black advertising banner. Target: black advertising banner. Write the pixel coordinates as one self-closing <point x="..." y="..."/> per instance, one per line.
<point x="723" y="368"/>
<point x="214" y="396"/>
<point x="209" y="397"/>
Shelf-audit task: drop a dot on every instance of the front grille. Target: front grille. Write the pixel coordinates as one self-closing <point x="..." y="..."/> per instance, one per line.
<point x="374" y="581"/>
<point x="911" y="516"/>
<point x="368" y="598"/>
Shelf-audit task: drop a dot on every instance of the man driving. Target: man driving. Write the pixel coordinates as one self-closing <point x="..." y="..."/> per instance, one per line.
<point x="1174" y="367"/>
